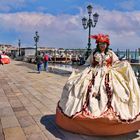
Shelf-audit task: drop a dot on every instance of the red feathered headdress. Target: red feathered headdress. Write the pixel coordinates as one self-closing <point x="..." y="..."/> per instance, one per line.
<point x="101" y="38"/>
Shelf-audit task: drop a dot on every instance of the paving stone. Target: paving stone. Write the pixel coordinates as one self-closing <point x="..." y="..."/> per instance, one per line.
<point x="38" y="104"/>
<point x="3" y="99"/>
<point x="12" y="98"/>
<point x="26" y="121"/>
<point x="21" y="108"/>
<point x="2" y="136"/>
<point x="14" y="88"/>
<point x="50" y="136"/>
<point x="45" y="111"/>
<point x="7" y="89"/>
<point x="7" y="111"/>
<point x="10" y="95"/>
<point x="14" y="134"/>
<point x="36" y="136"/>
<point x="18" y="93"/>
<point x="32" y="110"/>
<point x="31" y="129"/>
<point x="24" y="91"/>
<point x="37" y="119"/>
<point x="0" y="127"/>
<point x="21" y="113"/>
<point x="15" y="103"/>
<point x="2" y="94"/>
<point x="10" y="121"/>
<point x="4" y="105"/>
<point x="1" y="132"/>
<point x="24" y="100"/>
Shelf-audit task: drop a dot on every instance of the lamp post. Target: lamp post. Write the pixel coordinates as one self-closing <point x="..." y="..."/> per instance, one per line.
<point x="19" y="43"/>
<point x="89" y="23"/>
<point x="36" y="39"/>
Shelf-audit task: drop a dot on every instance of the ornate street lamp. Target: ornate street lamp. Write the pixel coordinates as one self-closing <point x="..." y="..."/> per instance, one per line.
<point x="36" y="39"/>
<point x="19" y="43"/>
<point x="88" y="23"/>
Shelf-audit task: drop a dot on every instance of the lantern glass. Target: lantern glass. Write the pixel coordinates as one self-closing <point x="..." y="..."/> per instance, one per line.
<point x="95" y="17"/>
<point x="89" y="8"/>
<point x="84" y="21"/>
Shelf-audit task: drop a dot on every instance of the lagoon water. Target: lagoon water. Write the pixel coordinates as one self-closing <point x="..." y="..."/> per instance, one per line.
<point x="132" y="54"/>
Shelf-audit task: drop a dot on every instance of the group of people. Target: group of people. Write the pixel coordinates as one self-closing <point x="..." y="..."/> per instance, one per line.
<point x="42" y="60"/>
<point x="103" y="99"/>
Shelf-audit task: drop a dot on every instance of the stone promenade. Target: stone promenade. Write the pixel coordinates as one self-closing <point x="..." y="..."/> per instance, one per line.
<point x="27" y="105"/>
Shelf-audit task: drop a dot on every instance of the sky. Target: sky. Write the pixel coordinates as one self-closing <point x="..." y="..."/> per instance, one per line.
<point x="59" y="22"/>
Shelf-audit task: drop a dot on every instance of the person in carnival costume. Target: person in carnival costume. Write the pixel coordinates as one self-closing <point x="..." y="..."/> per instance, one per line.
<point x="103" y="99"/>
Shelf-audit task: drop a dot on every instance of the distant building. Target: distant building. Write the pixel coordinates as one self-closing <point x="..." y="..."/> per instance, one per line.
<point x="27" y="51"/>
<point x="5" y="47"/>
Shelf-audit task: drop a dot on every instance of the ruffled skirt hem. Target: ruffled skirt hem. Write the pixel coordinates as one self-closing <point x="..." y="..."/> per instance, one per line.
<point x="107" y="125"/>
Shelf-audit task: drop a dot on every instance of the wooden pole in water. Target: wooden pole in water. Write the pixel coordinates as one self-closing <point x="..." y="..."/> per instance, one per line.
<point x="126" y="54"/>
<point x="118" y="52"/>
<point x="135" y="54"/>
<point x="66" y="57"/>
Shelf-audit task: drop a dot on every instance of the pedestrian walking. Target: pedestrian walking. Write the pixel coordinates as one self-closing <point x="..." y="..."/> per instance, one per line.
<point x="39" y="62"/>
<point x="46" y="59"/>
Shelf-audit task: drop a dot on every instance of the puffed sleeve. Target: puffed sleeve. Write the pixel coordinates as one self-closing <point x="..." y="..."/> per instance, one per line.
<point x="114" y="57"/>
<point x="89" y="61"/>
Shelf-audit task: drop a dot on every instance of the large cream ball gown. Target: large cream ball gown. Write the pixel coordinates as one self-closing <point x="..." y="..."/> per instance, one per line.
<point x="104" y="99"/>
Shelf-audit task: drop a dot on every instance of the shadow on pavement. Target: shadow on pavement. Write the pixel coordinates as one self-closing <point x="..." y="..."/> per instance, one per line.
<point x="49" y="122"/>
<point x="33" y="72"/>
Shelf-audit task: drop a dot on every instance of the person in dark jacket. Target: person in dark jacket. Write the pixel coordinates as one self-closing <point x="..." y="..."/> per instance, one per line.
<point x="39" y="62"/>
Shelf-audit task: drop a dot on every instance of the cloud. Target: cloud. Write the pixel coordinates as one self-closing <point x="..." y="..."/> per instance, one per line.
<point x="53" y="30"/>
<point x="66" y="30"/>
<point x="120" y="22"/>
<point x="123" y="28"/>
